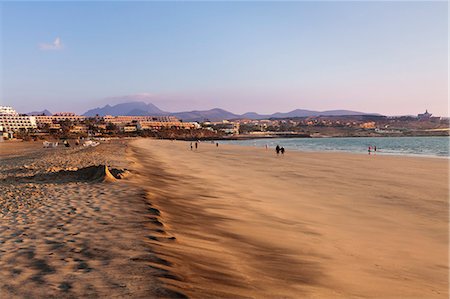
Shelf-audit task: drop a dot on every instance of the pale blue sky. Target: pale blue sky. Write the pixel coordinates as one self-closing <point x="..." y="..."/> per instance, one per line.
<point x="385" y="57"/>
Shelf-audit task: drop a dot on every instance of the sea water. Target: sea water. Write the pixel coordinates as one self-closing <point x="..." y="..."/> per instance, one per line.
<point x="415" y="146"/>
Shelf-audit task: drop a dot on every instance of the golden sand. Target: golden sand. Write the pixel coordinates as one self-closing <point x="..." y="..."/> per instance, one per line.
<point x="248" y="223"/>
<point x="227" y="221"/>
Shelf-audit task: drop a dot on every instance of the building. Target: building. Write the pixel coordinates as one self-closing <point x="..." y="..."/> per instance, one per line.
<point x="368" y="125"/>
<point x="128" y="129"/>
<point x="156" y="125"/>
<point x="125" y="120"/>
<point x="57" y="117"/>
<point x="224" y="126"/>
<point x="11" y="121"/>
<point x="7" y="110"/>
<point x="78" y="129"/>
<point x="424" y="116"/>
<point x="14" y="123"/>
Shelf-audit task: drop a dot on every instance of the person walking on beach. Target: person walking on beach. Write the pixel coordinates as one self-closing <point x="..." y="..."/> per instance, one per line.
<point x="196" y="145"/>
<point x="374" y="148"/>
<point x="277" y="149"/>
<point x="191" y="146"/>
<point x="217" y="144"/>
<point x="370" y="149"/>
<point x="282" y="150"/>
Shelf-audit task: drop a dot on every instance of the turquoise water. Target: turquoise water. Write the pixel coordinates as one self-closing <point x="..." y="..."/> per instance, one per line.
<point x="416" y="146"/>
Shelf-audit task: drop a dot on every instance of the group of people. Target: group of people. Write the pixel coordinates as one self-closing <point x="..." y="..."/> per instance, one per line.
<point x="196" y="145"/>
<point x="279" y="150"/>
<point x="372" y="149"/>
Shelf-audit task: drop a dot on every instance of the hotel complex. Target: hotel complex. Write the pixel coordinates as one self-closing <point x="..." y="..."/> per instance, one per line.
<point x="57" y="117"/>
<point x="12" y="122"/>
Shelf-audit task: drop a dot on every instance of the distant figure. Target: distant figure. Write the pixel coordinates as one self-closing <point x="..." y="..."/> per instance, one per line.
<point x="217" y="144"/>
<point x="374" y="148"/>
<point x="266" y="147"/>
<point x="196" y="145"/>
<point x="66" y="143"/>
<point x="369" y="150"/>
<point x="191" y="146"/>
<point x="282" y="150"/>
<point x="277" y="149"/>
<point x="77" y="142"/>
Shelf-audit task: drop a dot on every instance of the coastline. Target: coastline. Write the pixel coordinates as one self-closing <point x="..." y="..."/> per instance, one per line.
<point x="318" y="144"/>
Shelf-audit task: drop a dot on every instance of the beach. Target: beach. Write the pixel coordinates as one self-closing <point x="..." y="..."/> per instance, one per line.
<point x="227" y="221"/>
<point x="69" y="229"/>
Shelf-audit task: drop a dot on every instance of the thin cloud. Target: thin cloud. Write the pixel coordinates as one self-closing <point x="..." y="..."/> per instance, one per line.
<point x="55" y="45"/>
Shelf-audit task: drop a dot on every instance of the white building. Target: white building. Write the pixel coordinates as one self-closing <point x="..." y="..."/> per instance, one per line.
<point x="7" y="110"/>
<point x="11" y="121"/>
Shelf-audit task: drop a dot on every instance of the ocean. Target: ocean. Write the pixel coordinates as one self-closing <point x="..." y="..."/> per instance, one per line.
<point x="410" y="146"/>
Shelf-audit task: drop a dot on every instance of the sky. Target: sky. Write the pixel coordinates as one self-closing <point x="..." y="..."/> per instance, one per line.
<point x="382" y="57"/>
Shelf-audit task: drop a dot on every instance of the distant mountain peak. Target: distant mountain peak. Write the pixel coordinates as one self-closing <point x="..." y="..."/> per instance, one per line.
<point x="128" y="108"/>
<point x="43" y="112"/>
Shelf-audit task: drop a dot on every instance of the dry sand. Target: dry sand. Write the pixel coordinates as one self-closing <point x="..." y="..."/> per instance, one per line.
<point x="229" y="222"/>
<point x="317" y="225"/>
<point x="68" y="231"/>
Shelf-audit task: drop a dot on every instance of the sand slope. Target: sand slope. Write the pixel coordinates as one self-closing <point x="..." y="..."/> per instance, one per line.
<point x="315" y="225"/>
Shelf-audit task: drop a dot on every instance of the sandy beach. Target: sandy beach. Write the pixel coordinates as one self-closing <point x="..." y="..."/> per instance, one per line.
<point x="317" y="225"/>
<point x="223" y="222"/>
<point x="70" y="230"/>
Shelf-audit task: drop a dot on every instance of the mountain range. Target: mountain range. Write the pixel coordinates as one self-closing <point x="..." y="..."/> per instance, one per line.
<point x="142" y="108"/>
<point x="216" y="114"/>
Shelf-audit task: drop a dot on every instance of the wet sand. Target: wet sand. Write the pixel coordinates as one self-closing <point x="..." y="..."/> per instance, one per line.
<point x="317" y="225"/>
<point x="227" y="222"/>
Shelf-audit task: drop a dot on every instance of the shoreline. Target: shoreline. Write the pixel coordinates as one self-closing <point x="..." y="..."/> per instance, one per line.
<point x="230" y="142"/>
<point x="251" y="137"/>
<point x="361" y="152"/>
<point x="415" y="156"/>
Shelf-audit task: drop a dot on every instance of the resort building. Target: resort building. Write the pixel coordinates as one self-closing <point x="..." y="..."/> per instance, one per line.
<point x="14" y="123"/>
<point x="11" y="121"/>
<point x="225" y="126"/>
<point x="79" y="129"/>
<point x="156" y="125"/>
<point x="7" y="110"/>
<point x="128" y="129"/>
<point x="57" y="117"/>
<point x="124" y="120"/>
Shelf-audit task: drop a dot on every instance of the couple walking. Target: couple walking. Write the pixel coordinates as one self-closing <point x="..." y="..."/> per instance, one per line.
<point x="279" y="150"/>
